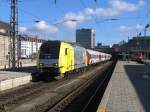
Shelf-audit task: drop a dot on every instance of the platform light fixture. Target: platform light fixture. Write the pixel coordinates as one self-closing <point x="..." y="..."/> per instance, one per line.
<point x="60" y="22"/>
<point x="145" y="29"/>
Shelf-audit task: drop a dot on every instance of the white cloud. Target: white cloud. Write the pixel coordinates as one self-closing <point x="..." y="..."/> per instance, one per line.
<point x="76" y="16"/>
<point x="120" y="5"/>
<point x="106" y="12"/>
<point x="124" y="29"/>
<point x="42" y="29"/>
<point x="42" y="25"/>
<point x="22" y="29"/>
<point x="70" y="24"/>
<point x="139" y="27"/>
<point x="141" y="2"/>
<point x="88" y="11"/>
<point x="73" y="16"/>
<point x="115" y="8"/>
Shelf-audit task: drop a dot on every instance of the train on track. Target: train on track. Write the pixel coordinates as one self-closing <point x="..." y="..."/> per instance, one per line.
<point x="59" y="58"/>
<point x="141" y="57"/>
<point x="137" y="57"/>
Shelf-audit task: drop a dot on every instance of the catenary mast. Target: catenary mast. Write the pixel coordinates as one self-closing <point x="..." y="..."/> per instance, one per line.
<point x="14" y="34"/>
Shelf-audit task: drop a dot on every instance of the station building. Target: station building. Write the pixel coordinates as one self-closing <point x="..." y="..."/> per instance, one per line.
<point x="4" y="44"/>
<point x="140" y="44"/>
<point x="103" y="48"/>
<point x="28" y="45"/>
<point x="137" y="45"/>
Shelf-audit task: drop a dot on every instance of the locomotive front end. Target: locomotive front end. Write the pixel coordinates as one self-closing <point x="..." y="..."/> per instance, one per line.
<point x="49" y="57"/>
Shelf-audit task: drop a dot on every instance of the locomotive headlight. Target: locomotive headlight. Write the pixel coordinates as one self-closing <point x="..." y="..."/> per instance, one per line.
<point x="55" y="64"/>
<point x="41" y="64"/>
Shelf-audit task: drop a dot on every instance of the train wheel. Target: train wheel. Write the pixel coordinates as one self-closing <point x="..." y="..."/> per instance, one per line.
<point x="66" y="75"/>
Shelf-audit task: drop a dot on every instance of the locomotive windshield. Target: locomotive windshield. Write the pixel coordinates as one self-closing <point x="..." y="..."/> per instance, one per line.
<point x="50" y="50"/>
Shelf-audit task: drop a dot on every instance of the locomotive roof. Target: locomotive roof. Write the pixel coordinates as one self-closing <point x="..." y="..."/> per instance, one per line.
<point x="75" y="44"/>
<point x="72" y="43"/>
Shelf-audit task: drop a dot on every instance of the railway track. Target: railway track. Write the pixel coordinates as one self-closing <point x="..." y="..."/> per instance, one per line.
<point x="69" y="97"/>
<point x="94" y="100"/>
<point x="89" y="99"/>
<point x="61" y="105"/>
<point x="19" y="95"/>
<point x="54" y="96"/>
<point x="9" y="100"/>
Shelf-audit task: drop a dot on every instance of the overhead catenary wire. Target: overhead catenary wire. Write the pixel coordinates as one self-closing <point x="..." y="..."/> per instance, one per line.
<point x="84" y="6"/>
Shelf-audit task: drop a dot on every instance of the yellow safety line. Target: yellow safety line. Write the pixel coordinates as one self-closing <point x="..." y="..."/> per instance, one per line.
<point x="101" y="109"/>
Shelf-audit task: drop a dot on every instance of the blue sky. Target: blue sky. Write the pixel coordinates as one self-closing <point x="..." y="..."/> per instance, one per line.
<point x="132" y="16"/>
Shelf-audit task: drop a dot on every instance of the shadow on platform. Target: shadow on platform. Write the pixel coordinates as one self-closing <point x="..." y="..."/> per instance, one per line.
<point x="141" y="82"/>
<point x="27" y="69"/>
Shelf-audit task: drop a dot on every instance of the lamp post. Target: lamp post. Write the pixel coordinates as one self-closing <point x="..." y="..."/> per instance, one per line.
<point x="139" y="34"/>
<point x="147" y="26"/>
<point x="111" y="19"/>
<point x="60" y="22"/>
<point x="145" y="29"/>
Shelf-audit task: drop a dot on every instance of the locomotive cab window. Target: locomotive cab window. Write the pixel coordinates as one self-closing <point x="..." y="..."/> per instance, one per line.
<point x="50" y="50"/>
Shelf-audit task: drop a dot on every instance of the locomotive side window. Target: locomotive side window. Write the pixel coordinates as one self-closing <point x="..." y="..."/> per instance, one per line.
<point x="66" y="51"/>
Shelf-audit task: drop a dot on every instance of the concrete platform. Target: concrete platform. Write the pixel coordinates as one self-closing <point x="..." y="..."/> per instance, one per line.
<point x="128" y="89"/>
<point x="11" y="79"/>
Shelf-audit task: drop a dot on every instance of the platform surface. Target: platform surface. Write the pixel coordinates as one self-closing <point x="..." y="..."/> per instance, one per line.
<point x="4" y="75"/>
<point x="11" y="79"/>
<point x="128" y="89"/>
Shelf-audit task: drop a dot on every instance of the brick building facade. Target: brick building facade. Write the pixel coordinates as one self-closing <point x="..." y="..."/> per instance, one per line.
<point x="28" y="45"/>
<point x="4" y="44"/>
